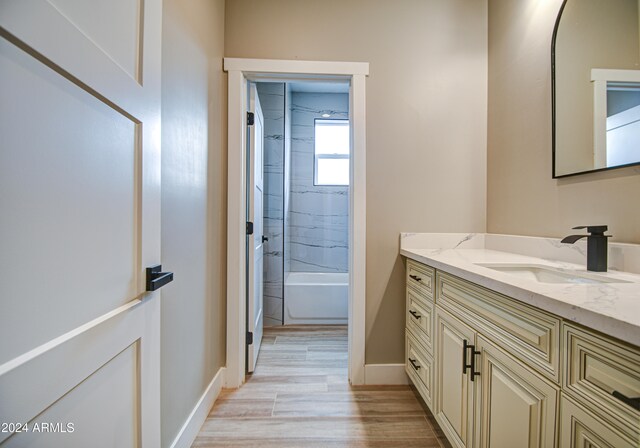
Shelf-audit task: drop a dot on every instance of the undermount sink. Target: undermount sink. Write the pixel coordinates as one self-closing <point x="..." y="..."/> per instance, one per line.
<point x="548" y="274"/>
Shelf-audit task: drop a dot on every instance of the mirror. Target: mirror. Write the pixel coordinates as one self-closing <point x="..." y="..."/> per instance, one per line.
<point x="596" y="86"/>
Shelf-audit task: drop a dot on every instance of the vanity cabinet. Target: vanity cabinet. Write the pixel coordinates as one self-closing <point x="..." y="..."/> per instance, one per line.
<point x="419" y="328"/>
<point x="517" y="406"/>
<point x="582" y="428"/>
<point x="601" y="382"/>
<point x="454" y="400"/>
<point x="478" y="381"/>
<point x="497" y="372"/>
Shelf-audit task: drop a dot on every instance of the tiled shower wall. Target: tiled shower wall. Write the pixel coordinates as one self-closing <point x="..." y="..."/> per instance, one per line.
<point x="272" y="100"/>
<point x="316" y="217"/>
<point x="317" y="227"/>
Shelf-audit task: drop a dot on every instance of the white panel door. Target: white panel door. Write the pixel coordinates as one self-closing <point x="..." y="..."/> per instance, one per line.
<point x="255" y="241"/>
<point x="79" y="222"/>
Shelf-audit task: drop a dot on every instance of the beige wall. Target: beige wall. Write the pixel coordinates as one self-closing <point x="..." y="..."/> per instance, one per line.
<point x="193" y="205"/>
<point x="522" y="198"/>
<point x="426" y="119"/>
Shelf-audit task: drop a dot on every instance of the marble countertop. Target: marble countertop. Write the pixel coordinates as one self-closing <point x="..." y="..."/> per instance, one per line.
<point x="611" y="308"/>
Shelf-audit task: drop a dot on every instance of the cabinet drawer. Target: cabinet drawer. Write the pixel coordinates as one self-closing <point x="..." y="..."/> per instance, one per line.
<point x="420" y="319"/>
<point x="602" y="374"/>
<point x="581" y="428"/>
<point x="418" y="366"/>
<point x="421" y="278"/>
<point x="528" y="333"/>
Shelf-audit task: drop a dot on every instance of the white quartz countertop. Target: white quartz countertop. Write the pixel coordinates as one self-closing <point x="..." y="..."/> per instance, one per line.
<point x="611" y="308"/>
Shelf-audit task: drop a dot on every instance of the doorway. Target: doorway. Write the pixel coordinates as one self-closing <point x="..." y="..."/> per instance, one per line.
<point x="240" y="73"/>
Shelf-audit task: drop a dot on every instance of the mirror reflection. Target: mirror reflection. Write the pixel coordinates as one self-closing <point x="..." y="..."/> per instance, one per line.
<point x="596" y="90"/>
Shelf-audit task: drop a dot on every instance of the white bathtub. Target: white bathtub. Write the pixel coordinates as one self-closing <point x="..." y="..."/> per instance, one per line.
<point x="316" y="298"/>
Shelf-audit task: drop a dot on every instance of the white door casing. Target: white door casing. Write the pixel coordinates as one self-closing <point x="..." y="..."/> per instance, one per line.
<point x="239" y="72"/>
<point x="79" y="222"/>
<point x="254" y="241"/>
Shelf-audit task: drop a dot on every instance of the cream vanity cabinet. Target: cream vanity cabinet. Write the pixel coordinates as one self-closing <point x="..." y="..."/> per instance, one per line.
<point x="600" y="405"/>
<point x="419" y="329"/>
<point x="497" y="377"/>
<point x="484" y="395"/>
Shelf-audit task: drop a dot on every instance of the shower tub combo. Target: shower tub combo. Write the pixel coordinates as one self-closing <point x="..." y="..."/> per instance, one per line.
<point x="316" y="298"/>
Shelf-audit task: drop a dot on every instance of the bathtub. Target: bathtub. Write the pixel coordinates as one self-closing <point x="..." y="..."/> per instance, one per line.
<point x="316" y="298"/>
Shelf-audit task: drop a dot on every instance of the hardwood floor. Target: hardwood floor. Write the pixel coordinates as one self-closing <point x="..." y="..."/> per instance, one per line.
<point x="299" y="396"/>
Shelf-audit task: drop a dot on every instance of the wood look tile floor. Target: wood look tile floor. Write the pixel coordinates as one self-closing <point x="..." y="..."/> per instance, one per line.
<point x="299" y="396"/>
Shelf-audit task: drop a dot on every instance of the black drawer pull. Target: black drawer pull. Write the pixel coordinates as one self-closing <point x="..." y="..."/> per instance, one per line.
<point x="416" y="278"/>
<point x="415" y="314"/>
<point x="415" y="365"/>
<point x="633" y="402"/>
<point x="472" y="364"/>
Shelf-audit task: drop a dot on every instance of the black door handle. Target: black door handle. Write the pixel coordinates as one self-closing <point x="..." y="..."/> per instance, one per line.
<point x="157" y="279"/>
<point x="264" y="238"/>
<point x="416" y="278"/>
<point x="415" y="314"/>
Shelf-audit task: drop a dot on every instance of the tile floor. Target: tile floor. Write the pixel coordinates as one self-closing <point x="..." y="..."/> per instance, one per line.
<point x="299" y="396"/>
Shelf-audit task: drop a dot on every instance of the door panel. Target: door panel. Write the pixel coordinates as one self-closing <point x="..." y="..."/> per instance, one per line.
<point x="79" y="220"/>
<point x="91" y="410"/>
<point x="255" y="307"/>
<point x="71" y="135"/>
<point x="98" y="20"/>
<point x="454" y="399"/>
<point x="518" y="406"/>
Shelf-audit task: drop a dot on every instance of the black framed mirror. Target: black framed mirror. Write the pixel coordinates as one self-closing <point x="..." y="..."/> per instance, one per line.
<point x="595" y="64"/>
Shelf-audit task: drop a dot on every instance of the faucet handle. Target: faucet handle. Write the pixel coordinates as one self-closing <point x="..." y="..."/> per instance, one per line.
<point x="594" y="230"/>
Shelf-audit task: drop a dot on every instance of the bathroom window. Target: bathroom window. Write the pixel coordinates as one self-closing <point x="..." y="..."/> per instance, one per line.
<point x="331" y="152"/>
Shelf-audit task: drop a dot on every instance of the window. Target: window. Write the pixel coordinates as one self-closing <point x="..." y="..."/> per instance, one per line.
<point x="331" y="152"/>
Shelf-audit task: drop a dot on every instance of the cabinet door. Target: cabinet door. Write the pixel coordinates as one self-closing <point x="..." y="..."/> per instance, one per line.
<point x="454" y="391"/>
<point x="517" y="407"/>
<point x="580" y="428"/>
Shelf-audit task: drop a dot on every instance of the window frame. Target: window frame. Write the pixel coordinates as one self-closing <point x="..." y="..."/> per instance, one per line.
<point x="317" y="156"/>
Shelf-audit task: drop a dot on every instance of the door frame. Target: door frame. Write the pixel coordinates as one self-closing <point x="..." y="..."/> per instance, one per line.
<point x="240" y="71"/>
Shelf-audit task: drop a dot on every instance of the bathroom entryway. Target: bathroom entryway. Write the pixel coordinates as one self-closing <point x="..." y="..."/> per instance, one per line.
<point x="299" y="396"/>
<point x="241" y="281"/>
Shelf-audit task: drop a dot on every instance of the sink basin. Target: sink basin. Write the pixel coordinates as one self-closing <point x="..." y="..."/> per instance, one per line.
<point x="548" y="274"/>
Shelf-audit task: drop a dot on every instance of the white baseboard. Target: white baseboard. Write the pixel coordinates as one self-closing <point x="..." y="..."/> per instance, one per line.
<point x="385" y="374"/>
<point x="198" y="415"/>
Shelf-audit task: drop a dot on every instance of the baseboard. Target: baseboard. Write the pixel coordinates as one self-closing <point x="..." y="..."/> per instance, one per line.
<point x="198" y="415"/>
<point x="385" y="374"/>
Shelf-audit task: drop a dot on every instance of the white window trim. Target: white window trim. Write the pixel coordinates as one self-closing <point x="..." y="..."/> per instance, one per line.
<point x="239" y="71"/>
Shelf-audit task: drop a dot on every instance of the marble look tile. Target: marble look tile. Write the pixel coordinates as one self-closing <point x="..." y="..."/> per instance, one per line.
<point x="317" y="219"/>
<point x="272" y="98"/>
<point x="272" y="307"/>
<point x="269" y="322"/>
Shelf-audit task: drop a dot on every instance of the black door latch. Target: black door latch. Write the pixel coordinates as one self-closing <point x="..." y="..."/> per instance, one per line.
<point x="157" y="279"/>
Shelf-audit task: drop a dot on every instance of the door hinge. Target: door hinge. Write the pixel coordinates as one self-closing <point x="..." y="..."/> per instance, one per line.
<point x="249" y="228"/>
<point x="249" y="337"/>
<point x="250" y="118"/>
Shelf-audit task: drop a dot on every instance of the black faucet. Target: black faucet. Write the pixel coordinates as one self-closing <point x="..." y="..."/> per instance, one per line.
<point x="596" y="246"/>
